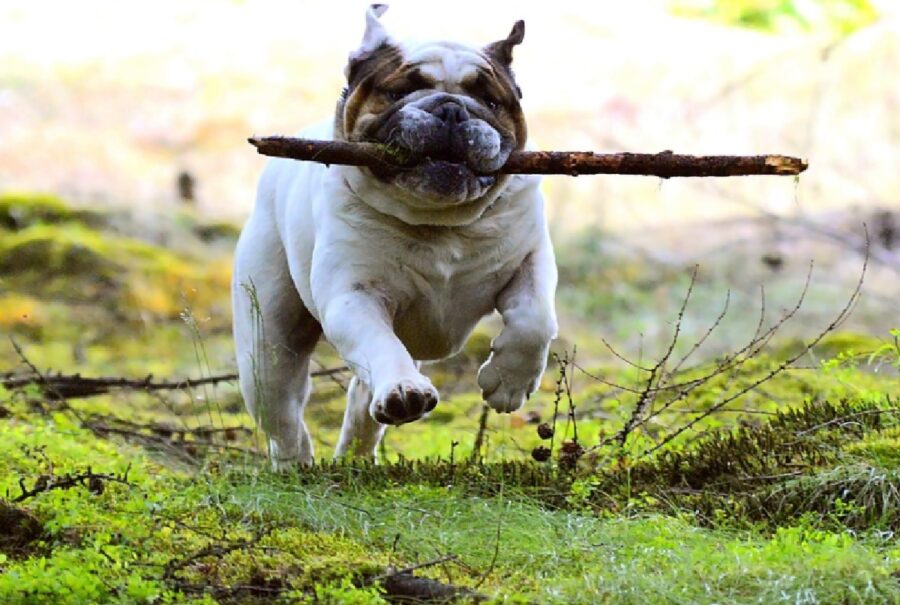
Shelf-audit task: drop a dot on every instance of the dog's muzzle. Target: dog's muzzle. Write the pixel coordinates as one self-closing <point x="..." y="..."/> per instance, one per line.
<point x="461" y="150"/>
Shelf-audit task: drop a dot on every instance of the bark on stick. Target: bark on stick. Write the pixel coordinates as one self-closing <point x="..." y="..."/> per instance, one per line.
<point x="665" y="164"/>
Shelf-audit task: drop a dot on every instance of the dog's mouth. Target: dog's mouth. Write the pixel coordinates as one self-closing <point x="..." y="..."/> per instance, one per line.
<point x="451" y="181"/>
<point x="439" y="180"/>
<point x="459" y="151"/>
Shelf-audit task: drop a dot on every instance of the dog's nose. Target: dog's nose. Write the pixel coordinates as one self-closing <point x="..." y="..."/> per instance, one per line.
<point x="451" y="113"/>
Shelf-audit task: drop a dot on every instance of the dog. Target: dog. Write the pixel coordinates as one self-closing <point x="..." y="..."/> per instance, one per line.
<point x="396" y="267"/>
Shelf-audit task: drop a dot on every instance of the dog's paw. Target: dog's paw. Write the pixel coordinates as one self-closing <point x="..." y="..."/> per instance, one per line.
<point x="508" y="378"/>
<point x="286" y="458"/>
<point x="403" y="401"/>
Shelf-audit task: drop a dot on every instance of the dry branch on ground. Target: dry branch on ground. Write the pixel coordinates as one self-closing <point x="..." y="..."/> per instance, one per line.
<point x="76" y="386"/>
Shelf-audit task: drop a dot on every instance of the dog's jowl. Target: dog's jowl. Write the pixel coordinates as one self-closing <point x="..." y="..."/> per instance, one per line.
<point x="395" y="268"/>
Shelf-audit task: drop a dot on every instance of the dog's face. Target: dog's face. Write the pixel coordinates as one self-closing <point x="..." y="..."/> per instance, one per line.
<point x="456" y="106"/>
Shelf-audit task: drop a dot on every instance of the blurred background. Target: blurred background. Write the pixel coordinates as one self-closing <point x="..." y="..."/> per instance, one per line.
<point x="126" y="173"/>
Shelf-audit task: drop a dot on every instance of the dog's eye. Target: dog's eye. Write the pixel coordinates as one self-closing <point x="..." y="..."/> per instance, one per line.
<point x="396" y="94"/>
<point x="492" y="104"/>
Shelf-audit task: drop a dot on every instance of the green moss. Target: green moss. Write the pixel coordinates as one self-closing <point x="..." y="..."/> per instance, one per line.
<point x="797" y="465"/>
<point x="19" y="210"/>
<point x="881" y="449"/>
<point x="478" y="347"/>
<point x="211" y="232"/>
<point x="76" y="263"/>
<point x="42" y="250"/>
<point x="287" y="560"/>
<point x="145" y="541"/>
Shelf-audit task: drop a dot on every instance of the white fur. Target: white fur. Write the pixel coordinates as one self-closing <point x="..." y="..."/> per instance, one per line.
<point x="332" y="246"/>
<point x="375" y="34"/>
<point x="447" y="64"/>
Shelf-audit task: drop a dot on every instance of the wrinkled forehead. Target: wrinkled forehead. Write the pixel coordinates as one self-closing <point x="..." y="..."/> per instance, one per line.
<point x="446" y="63"/>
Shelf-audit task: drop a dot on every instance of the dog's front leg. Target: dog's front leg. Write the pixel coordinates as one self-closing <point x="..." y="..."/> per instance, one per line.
<point x="359" y="325"/>
<point x="519" y="353"/>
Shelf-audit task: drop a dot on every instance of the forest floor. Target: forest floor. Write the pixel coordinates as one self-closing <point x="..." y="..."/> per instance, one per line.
<point x="767" y="474"/>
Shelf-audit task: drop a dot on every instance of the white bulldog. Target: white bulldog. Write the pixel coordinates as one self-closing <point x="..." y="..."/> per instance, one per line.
<point x="397" y="267"/>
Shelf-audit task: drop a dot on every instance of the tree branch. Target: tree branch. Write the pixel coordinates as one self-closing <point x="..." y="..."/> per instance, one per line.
<point x="665" y="164"/>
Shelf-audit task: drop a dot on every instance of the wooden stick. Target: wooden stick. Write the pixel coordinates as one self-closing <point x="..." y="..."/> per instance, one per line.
<point x="665" y="164"/>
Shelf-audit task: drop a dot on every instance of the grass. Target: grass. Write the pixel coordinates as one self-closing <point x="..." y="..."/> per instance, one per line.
<point x="561" y="556"/>
<point x="319" y="533"/>
<point x="789" y="497"/>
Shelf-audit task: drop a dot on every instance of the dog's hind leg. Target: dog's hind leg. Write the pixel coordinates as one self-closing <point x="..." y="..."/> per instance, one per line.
<point x="274" y="338"/>
<point x="360" y="434"/>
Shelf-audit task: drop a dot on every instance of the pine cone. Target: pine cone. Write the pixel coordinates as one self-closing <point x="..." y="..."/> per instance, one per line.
<point x="545" y="431"/>
<point x="541" y="453"/>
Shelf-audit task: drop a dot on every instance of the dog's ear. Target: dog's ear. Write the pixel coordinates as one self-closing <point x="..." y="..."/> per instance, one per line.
<point x="374" y="36"/>
<point x="502" y="49"/>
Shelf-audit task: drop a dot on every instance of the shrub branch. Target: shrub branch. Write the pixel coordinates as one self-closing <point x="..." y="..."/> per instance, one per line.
<point x="660" y="389"/>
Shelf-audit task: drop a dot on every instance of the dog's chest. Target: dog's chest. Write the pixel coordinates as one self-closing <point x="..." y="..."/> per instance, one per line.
<point x="445" y="280"/>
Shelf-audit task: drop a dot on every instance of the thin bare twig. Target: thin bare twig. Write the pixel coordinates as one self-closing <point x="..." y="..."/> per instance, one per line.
<point x="737" y="359"/>
<point x="844" y="419"/>
<point x="647" y="395"/>
<point x="838" y="319"/>
<point x="482" y="431"/>
<point x="418" y="566"/>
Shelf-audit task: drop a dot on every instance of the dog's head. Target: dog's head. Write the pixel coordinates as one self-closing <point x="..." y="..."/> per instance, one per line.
<point x="455" y="106"/>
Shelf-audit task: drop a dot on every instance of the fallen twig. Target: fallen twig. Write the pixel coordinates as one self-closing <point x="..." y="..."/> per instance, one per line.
<point x="95" y="482"/>
<point x="407" y="588"/>
<point x="665" y="164"/>
<point x="412" y="568"/>
<point x="107" y="423"/>
<point x="75" y="386"/>
<point x="185" y="442"/>
<point x="846" y="419"/>
<point x="187" y="448"/>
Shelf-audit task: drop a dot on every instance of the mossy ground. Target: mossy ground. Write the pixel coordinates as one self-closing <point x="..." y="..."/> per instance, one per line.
<point x="790" y="496"/>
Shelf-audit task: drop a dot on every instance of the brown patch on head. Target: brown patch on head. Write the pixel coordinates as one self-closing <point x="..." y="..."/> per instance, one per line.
<point x="377" y="79"/>
<point x="502" y="49"/>
<point x="497" y="89"/>
<point x="363" y="73"/>
<point x="451" y="106"/>
<point x="500" y="55"/>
